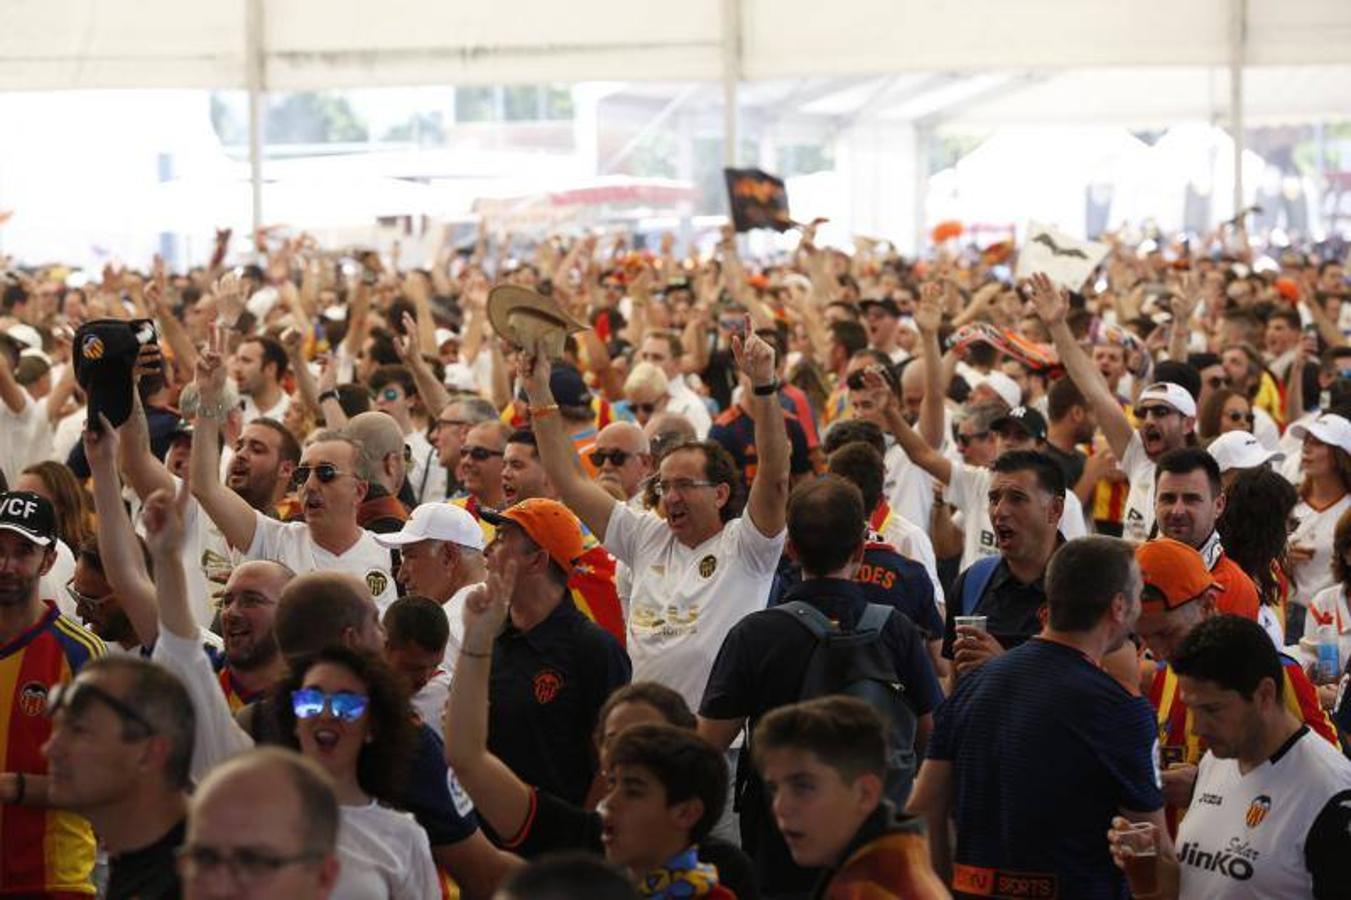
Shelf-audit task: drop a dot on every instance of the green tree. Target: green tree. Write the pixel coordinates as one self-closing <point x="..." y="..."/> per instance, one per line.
<point x="313" y="117"/>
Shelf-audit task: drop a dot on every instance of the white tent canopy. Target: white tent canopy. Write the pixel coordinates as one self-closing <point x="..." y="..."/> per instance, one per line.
<point x="313" y="44"/>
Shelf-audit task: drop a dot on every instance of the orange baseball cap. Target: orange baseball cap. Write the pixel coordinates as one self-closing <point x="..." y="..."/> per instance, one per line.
<point x="549" y="524"/>
<point x="1175" y="570"/>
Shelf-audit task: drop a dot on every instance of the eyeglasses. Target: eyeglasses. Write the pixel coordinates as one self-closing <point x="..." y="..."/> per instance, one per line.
<point x="326" y="472"/>
<point x="478" y="454"/>
<point x="308" y="703"/>
<point x="1234" y="415"/>
<point x="407" y="454"/>
<point x="75" y="695"/>
<point x="680" y="485"/>
<point x="1215" y="381"/>
<point x="82" y="599"/>
<point x="966" y="440"/>
<point x="601" y="457"/>
<point x="246" y="865"/>
<point x="1155" y="412"/>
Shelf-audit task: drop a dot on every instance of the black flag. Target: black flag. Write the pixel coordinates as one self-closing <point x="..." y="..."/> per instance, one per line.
<point x="757" y="199"/>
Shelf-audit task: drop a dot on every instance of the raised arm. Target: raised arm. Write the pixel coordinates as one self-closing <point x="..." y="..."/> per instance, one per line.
<point x="434" y="395"/>
<point x="234" y="517"/>
<point x="1051" y="307"/>
<point x="920" y="451"/>
<point x="588" y="500"/>
<point x="928" y="317"/>
<point x="768" y="501"/>
<point x="117" y="540"/>
<point x="501" y="798"/>
<point x="10" y="392"/>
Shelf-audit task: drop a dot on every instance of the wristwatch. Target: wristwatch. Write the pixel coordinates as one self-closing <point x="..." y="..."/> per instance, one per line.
<point x="328" y="395"/>
<point x="766" y="390"/>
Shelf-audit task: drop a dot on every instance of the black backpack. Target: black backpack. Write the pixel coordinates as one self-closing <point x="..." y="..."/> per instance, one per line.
<point x="857" y="664"/>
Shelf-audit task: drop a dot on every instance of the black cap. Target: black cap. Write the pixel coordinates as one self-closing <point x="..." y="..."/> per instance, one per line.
<point x="105" y="353"/>
<point x="568" y="387"/>
<point x="28" y="514"/>
<point x="886" y="303"/>
<point x="1025" y="417"/>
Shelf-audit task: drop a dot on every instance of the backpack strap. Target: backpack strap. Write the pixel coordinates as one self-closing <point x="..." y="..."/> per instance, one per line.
<point x="978" y="577"/>
<point x="809" y="617"/>
<point x="874" y="618"/>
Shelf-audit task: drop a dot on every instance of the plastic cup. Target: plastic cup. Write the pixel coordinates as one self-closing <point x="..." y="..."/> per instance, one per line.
<point x="976" y="622"/>
<point x="1140" y="841"/>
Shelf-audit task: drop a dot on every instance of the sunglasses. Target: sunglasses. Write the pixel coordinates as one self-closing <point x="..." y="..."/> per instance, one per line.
<point x="307" y="703"/>
<point x="75" y="696"/>
<point x="1155" y="412"/>
<point x="1235" y="416"/>
<point x="389" y="394"/>
<point x="966" y="440"/>
<point x="478" y="454"/>
<point x="855" y="381"/>
<point x="326" y="472"/>
<point x="601" y="457"/>
<point x="407" y="454"/>
<point x="82" y="599"/>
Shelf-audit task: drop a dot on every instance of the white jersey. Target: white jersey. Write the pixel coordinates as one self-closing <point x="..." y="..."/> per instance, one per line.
<point x="276" y="412"/>
<point x="1277" y="832"/>
<point x="1315" y="530"/>
<point x="426" y="476"/>
<point x="684" y="600"/>
<point x="1140" y="471"/>
<point x="969" y="491"/>
<point x="292" y="544"/>
<point x="384" y="854"/>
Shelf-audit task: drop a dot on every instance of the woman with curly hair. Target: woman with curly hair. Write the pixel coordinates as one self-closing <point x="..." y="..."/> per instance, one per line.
<point x="1253" y="530"/>
<point x="349" y="712"/>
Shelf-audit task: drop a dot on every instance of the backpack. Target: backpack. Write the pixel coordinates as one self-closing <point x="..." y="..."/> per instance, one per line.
<point x="978" y="577"/>
<point x="857" y="664"/>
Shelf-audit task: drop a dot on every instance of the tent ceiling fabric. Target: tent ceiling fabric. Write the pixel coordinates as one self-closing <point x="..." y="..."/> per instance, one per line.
<point x="315" y="44"/>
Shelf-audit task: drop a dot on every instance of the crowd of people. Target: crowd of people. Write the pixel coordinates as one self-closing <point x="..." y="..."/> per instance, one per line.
<point x="834" y="574"/>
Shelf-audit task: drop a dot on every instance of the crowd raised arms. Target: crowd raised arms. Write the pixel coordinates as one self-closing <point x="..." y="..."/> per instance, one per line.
<point x="567" y="568"/>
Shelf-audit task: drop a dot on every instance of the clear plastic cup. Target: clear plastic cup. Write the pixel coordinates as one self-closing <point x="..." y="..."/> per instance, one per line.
<point x="976" y="622"/>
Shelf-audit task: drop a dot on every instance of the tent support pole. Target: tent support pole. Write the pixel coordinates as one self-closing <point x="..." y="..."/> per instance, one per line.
<point x="731" y="74"/>
<point x="253" y="47"/>
<point x="1238" y="39"/>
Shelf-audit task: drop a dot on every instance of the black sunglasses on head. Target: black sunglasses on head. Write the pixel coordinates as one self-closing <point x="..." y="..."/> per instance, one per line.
<point x="75" y="696"/>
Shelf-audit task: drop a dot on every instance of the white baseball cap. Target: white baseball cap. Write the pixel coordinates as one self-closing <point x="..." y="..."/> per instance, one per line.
<point x="1175" y="395"/>
<point x="1241" y="450"/>
<point x="1004" y="387"/>
<point x="437" y="522"/>
<point x="445" y="334"/>
<point x="1329" y="428"/>
<point x="26" y="335"/>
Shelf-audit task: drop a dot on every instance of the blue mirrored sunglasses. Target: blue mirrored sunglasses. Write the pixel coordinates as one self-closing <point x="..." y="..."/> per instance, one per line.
<point x="310" y="702"/>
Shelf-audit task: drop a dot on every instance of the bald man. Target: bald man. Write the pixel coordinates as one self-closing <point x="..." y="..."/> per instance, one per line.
<point x="271" y="803"/>
<point x="667" y="429"/>
<point x="623" y="460"/>
<point x="383" y="466"/>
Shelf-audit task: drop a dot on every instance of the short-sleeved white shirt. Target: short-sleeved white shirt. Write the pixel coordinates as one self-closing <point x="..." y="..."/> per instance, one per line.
<point x="276" y="412"/>
<point x="1140" y="471"/>
<point x="969" y="491"/>
<point x="914" y="542"/>
<point x="908" y="489"/>
<point x="15" y="428"/>
<point x="1315" y="529"/>
<point x="384" y="854"/>
<point x="292" y="544"/>
<point x="684" y="600"/>
<point x="426" y="476"/>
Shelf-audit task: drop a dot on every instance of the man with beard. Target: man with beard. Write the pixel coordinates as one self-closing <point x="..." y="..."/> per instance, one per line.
<point x="266" y="454"/>
<point x="1167" y="412"/>
<point x="40" y="649"/>
<point x="1023" y="827"/>
<point x="330" y="493"/>
<point x="258" y="366"/>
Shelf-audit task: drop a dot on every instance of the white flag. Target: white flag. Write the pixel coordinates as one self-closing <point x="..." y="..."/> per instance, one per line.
<point x="1065" y="260"/>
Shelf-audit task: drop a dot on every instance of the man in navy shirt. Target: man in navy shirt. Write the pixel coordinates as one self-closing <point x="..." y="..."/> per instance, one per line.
<point x="763" y="661"/>
<point x="1037" y="750"/>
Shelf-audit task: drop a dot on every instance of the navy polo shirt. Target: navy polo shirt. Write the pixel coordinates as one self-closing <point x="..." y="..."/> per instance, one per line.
<point x="1045" y="749"/>
<point x="892" y="579"/>
<point x="546" y="689"/>
<point x="735" y="431"/>
<point x="1009" y="606"/>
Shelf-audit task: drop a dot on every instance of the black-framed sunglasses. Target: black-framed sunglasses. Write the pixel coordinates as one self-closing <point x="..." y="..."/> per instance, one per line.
<point x="407" y="454"/>
<point x="1234" y="415"/>
<point x="600" y="457"/>
<point x="1155" y="412"/>
<point x="327" y="473"/>
<point x="478" y="454"/>
<point x="83" y="599"/>
<point x="75" y="695"/>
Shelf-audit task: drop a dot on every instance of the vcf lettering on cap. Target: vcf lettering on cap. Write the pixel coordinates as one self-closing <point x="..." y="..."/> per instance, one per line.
<point x="17" y="507"/>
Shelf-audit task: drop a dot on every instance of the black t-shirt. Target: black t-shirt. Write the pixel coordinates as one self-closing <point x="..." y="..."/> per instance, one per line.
<point x="1071" y="463"/>
<point x="1045" y="749"/>
<point x="546" y="689"/>
<point x="1010" y="608"/>
<point x="760" y="667"/>
<point x="150" y="873"/>
<point x="555" y="825"/>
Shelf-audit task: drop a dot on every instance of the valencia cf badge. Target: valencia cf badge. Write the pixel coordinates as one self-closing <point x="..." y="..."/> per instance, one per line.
<point x="92" y="348"/>
<point x="376" y="581"/>
<point x="33" y="698"/>
<point x="546" y="683"/>
<point x="707" y="566"/>
<point x="1257" y="810"/>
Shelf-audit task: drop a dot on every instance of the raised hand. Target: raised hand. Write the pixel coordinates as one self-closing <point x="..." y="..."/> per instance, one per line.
<point x="328" y="373"/>
<point x="210" y="374"/>
<point x="1049" y="301"/>
<point x="1185" y="299"/>
<point x="406" y="344"/>
<point x="293" y="342"/>
<point x="533" y="368"/>
<point x="100" y="444"/>
<point x="929" y="310"/>
<point x="486" y="607"/>
<point x="162" y="516"/>
<point x="754" y="357"/>
<point x="229" y="293"/>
